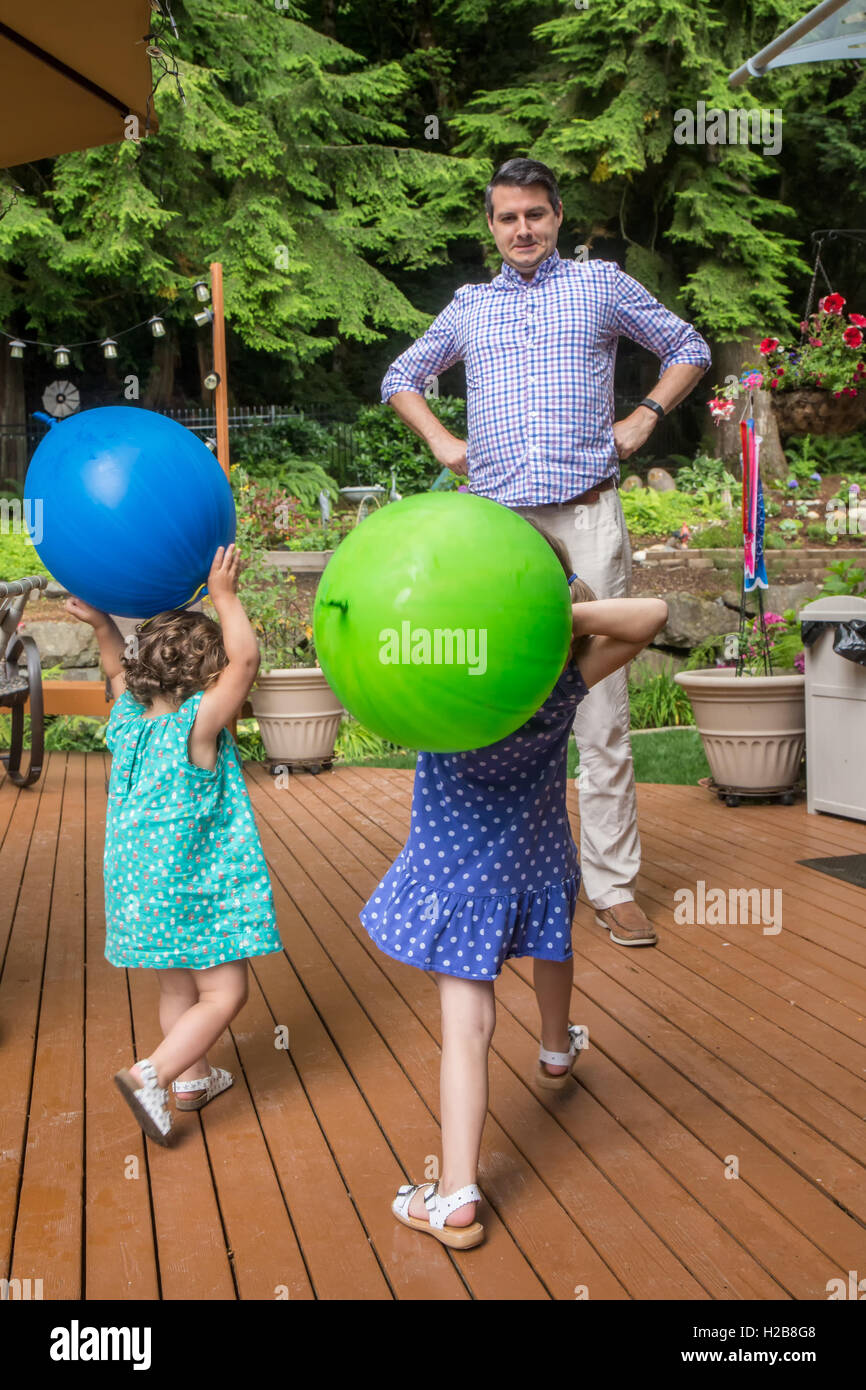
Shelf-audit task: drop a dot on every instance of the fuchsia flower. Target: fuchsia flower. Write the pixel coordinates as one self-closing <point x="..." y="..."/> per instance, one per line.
<point x="832" y="304"/>
<point x="721" y="409"/>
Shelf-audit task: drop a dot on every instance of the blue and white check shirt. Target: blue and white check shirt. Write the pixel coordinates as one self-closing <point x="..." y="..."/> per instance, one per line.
<point x="539" y="358"/>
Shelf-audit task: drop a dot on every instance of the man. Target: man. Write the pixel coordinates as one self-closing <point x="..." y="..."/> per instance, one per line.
<point x="539" y="344"/>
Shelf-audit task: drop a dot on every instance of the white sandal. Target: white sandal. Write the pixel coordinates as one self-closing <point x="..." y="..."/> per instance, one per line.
<point x="439" y="1209"/>
<point x="219" y="1080"/>
<point x="577" y="1038"/>
<point x="146" y="1102"/>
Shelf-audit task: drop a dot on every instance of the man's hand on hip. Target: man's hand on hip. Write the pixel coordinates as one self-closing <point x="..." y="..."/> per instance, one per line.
<point x="629" y="434"/>
<point x="451" y="453"/>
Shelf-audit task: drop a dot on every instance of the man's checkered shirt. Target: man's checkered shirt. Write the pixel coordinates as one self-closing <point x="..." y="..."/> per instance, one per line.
<point x="539" y="358"/>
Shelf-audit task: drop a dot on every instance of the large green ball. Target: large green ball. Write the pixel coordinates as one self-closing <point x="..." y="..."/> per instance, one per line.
<point x="443" y="622"/>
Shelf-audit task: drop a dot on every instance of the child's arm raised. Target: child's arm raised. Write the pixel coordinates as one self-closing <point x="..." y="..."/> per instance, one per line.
<point x="618" y="629"/>
<point x="109" y="637"/>
<point x="223" y="700"/>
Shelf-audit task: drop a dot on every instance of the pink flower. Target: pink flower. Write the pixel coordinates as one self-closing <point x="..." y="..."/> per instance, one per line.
<point x="815" y="342"/>
<point x="853" y="337"/>
<point x="832" y="304"/>
<point x="753" y="381"/>
<point x="769" y="345"/>
<point x="800" y="662"/>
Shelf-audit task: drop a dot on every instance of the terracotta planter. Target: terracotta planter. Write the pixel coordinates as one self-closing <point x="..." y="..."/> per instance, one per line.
<point x="298" y="714"/>
<point x="753" y="727"/>
<point x="818" y="412"/>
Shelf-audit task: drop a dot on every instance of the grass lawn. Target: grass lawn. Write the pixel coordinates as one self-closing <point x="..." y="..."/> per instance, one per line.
<point x="674" y="755"/>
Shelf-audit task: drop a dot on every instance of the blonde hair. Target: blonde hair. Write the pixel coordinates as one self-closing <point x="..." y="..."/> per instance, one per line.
<point x="580" y="592"/>
<point x="177" y="653"/>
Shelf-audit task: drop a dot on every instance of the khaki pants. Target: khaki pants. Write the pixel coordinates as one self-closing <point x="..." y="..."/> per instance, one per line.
<point x="597" y="542"/>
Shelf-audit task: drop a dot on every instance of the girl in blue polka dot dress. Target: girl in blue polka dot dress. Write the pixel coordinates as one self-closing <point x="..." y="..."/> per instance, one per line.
<point x="187" y="891"/>
<point x="489" y="871"/>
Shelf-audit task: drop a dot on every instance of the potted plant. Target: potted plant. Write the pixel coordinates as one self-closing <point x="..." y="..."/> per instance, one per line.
<point x="819" y="385"/>
<point x="296" y="709"/>
<point x="290" y="532"/>
<point x="750" y="709"/>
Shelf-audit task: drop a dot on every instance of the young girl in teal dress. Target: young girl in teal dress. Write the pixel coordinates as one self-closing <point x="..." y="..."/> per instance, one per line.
<point x="490" y="872"/>
<point x="187" y="891"/>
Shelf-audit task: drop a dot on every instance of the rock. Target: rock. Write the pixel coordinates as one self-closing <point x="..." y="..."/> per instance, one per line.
<point x="70" y="645"/>
<point x="652" y="661"/>
<point x="631" y="482"/>
<point x="661" y="480"/>
<point x="692" y="620"/>
<point x="778" y="597"/>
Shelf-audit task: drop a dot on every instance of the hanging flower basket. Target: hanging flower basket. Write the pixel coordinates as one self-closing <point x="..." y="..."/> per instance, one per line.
<point x="818" y="412"/>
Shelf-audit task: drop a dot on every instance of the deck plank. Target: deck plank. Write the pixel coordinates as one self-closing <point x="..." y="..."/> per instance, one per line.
<point x="719" y="1043"/>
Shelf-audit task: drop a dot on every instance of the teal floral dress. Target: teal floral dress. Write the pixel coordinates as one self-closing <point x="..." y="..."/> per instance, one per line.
<point x="186" y="883"/>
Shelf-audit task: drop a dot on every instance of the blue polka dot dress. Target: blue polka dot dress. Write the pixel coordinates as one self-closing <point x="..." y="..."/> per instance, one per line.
<point x="186" y="883"/>
<point x="490" y="867"/>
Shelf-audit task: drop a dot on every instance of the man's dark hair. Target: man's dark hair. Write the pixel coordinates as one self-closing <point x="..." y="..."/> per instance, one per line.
<point x="521" y="173"/>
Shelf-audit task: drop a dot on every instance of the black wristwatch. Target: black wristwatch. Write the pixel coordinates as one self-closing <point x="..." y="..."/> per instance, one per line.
<point x="654" y="406"/>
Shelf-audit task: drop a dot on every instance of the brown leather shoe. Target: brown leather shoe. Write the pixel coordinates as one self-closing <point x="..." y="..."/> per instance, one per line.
<point x="628" y="925"/>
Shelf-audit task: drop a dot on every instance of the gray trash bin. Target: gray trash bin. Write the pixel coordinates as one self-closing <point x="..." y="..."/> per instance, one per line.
<point x="835" y="715"/>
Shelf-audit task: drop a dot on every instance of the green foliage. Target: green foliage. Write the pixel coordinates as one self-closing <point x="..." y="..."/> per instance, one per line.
<point x="18" y="557"/>
<point x="357" y="744"/>
<point x="843" y="578"/>
<point x="815" y="531"/>
<point x="705" y="475"/>
<point x="651" y="513"/>
<point x="725" y="535"/>
<point x="675" y="757"/>
<point x="656" y="701"/>
<point x="289" y="163"/>
<point x="383" y="443"/>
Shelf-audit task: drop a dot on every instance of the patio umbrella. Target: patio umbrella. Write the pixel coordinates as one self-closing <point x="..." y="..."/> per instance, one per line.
<point x="71" y="75"/>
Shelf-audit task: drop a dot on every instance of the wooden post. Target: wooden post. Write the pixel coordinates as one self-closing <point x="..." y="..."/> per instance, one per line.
<point x="221" y="396"/>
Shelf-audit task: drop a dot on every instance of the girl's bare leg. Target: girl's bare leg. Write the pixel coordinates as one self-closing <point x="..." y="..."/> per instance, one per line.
<point x="553" y="981"/>
<point x="468" y="1021"/>
<point x="221" y="992"/>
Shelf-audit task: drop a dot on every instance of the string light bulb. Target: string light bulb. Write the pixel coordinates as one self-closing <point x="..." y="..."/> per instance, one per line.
<point x="212" y="445"/>
<point x="157" y="327"/>
<point x="203" y="317"/>
<point x="16" y="348"/>
<point x="202" y="291"/>
<point x="61" y="357"/>
<point x="109" y="347"/>
<point x="212" y="381"/>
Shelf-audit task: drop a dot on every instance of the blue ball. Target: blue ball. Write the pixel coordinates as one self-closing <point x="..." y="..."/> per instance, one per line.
<point x="127" y="509"/>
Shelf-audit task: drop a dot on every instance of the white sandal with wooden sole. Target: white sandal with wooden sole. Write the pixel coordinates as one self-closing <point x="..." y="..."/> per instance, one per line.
<point x="577" y="1041"/>
<point x="439" y="1209"/>
<point x="147" y="1102"/>
<point x="219" y="1080"/>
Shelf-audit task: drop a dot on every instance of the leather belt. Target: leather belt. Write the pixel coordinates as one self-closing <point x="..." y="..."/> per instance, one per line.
<point x="591" y="495"/>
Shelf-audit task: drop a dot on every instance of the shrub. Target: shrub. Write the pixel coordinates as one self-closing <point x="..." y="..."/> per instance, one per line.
<point x="657" y="701"/>
<point x="382" y="443"/>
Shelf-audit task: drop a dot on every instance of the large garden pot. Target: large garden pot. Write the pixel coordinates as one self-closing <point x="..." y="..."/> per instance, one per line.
<point x="298" y="715"/>
<point x="753" y="727"/>
<point x="818" y="412"/>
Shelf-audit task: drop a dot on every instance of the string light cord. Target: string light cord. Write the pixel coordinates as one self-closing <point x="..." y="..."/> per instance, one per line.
<point x="89" y="342"/>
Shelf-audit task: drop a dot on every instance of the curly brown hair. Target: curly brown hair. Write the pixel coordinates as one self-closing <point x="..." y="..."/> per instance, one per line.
<point x="580" y="592"/>
<point x="178" y="653"/>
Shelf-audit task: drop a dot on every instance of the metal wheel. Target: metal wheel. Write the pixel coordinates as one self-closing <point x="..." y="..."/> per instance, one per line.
<point x="732" y="801"/>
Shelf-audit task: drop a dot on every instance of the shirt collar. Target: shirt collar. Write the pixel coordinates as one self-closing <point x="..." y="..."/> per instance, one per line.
<point x="514" y="280"/>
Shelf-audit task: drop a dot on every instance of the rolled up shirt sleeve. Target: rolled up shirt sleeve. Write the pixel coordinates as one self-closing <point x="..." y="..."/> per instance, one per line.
<point x="637" y="315"/>
<point x="434" y="352"/>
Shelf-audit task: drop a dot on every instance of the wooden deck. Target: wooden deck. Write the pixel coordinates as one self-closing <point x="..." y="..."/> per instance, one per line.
<point x="722" y="1046"/>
